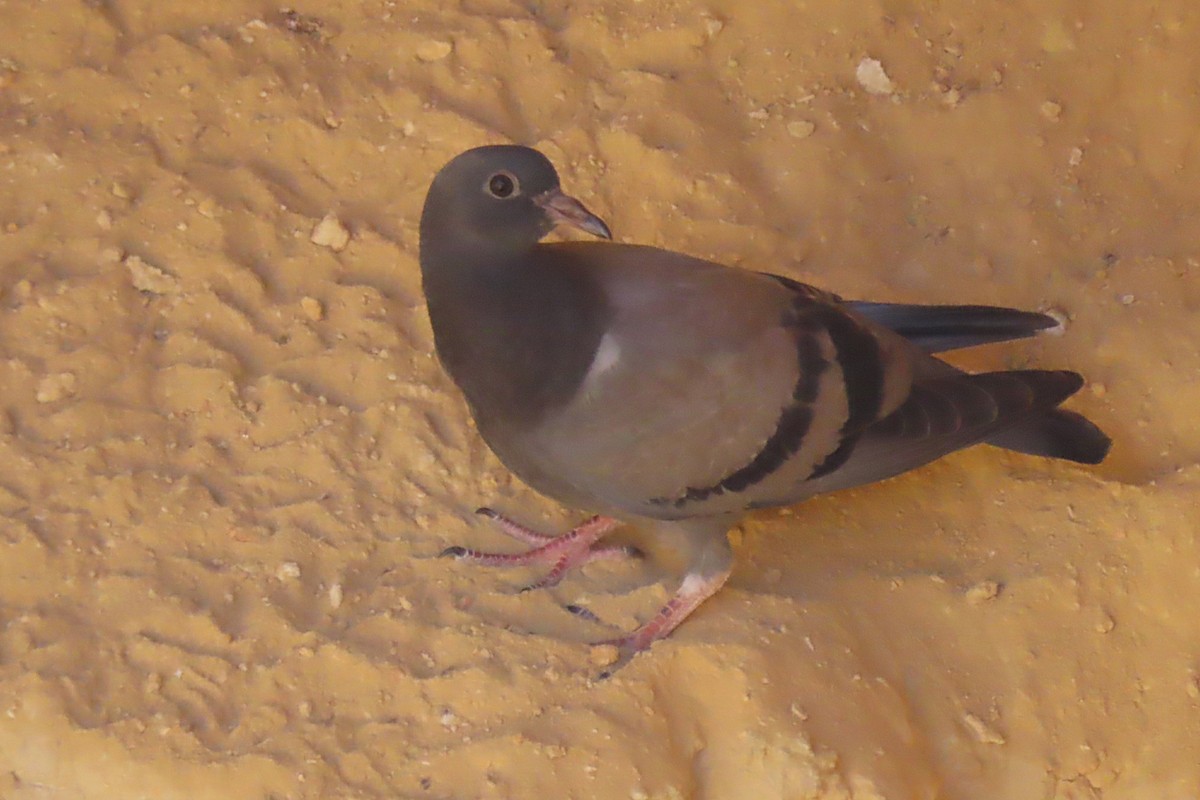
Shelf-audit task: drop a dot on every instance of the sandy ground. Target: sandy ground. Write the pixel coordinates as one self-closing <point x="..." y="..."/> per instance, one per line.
<point x="228" y="458"/>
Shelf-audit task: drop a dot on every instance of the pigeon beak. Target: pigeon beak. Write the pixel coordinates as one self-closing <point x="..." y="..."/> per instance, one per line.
<point x="564" y="209"/>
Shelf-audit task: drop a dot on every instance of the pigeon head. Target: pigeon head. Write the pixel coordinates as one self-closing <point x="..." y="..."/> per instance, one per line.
<point x="500" y="198"/>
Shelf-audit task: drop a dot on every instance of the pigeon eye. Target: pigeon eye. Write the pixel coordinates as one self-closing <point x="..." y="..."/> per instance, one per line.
<point x="502" y="185"/>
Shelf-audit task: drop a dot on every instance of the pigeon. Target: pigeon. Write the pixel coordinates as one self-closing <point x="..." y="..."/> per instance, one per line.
<point x="675" y="394"/>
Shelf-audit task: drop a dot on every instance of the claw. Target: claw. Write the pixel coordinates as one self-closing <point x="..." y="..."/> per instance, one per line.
<point x="583" y="612"/>
<point x="624" y="656"/>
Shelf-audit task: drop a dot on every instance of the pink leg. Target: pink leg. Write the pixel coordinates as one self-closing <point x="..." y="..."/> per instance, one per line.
<point x="694" y="590"/>
<point x="572" y="549"/>
<point x="711" y="566"/>
<point x="528" y="535"/>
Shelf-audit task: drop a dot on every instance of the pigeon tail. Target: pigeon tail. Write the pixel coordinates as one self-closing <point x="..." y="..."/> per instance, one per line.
<point x="1056" y="434"/>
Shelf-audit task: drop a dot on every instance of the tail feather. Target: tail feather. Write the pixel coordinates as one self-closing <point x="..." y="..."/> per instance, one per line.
<point x="1052" y="432"/>
<point x="1056" y="434"/>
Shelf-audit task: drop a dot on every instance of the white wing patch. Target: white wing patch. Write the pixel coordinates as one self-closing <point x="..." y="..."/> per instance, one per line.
<point x="608" y="355"/>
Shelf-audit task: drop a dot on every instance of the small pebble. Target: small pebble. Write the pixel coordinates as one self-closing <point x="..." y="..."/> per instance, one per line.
<point x="982" y="592"/>
<point x="982" y="731"/>
<point x="604" y="655"/>
<point x="288" y="570"/>
<point x="800" y="129"/>
<point x="872" y="77"/>
<point x="1051" y="110"/>
<point x="312" y="308"/>
<point x="433" y="51"/>
<point x="149" y="278"/>
<point x="331" y="233"/>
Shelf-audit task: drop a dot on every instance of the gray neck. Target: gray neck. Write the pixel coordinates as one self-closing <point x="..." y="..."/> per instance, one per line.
<point x="517" y="333"/>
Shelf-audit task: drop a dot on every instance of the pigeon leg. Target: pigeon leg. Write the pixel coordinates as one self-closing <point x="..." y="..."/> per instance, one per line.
<point x="693" y="591"/>
<point x="710" y="569"/>
<point x="563" y="553"/>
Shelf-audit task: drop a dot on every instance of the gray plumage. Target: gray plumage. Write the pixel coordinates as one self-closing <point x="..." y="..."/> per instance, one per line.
<point x="647" y="385"/>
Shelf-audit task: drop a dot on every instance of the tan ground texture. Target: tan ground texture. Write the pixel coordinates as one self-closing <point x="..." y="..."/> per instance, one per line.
<point x="228" y="457"/>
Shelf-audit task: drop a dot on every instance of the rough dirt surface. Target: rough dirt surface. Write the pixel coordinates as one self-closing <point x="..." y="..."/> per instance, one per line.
<point x="228" y="457"/>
